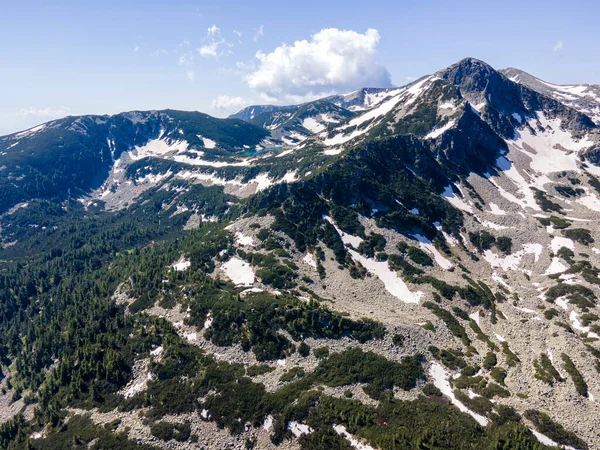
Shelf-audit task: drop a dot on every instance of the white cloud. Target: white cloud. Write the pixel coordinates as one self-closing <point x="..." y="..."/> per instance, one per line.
<point x="260" y="32"/>
<point x="191" y="75"/>
<point x="226" y="103"/>
<point x="214" y="48"/>
<point x="237" y="33"/>
<point x="331" y="61"/>
<point x="185" y="59"/>
<point x="209" y="49"/>
<point x="136" y="48"/>
<point x="48" y="112"/>
<point x="558" y="47"/>
<point x="214" y="30"/>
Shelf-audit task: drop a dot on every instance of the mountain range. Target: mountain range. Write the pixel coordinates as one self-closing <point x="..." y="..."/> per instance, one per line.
<point x="409" y="267"/>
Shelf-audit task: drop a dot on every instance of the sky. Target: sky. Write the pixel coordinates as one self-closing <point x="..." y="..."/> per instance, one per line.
<point x="76" y="57"/>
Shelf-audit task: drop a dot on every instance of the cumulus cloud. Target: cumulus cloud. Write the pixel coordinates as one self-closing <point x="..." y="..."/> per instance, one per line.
<point x="331" y="61"/>
<point x="558" y="46"/>
<point x="136" y="48"/>
<point x="226" y="103"/>
<point x="48" y="112"/>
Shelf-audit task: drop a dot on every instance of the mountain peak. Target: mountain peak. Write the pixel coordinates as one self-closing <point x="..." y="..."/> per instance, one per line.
<point x="469" y="72"/>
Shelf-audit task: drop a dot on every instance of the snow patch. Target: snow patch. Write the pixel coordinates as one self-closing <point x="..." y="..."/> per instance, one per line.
<point x="298" y="429"/>
<point x="310" y="260"/>
<point x="341" y="430"/>
<point x="440" y="380"/>
<point x="239" y="272"/>
<point x="208" y="143"/>
<point x="182" y="264"/>
<point x="428" y="246"/>
<point x="436" y="132"/>
<point x="455" y="201"/>
<point x="393" y="284"/>
<point x="243" y="240"/>
<point x="312" y="125"/>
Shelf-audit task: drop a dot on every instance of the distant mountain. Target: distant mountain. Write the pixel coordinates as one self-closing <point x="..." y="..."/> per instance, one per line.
<point x="71" y="156"/>
<point x="584" y="98"/>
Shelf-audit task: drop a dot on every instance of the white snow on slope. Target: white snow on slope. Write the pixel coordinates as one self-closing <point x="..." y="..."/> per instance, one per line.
<point x="496" y="210"/>
<point x="393" y="284"/>
<point x="558" y="242"/>
<point x="428" y="246"/>
<point x="590" y="201"/>
<point x="492" y="225"/>
<point x="555" y="267"/>
<point x="346" y="238"/>
<point x="25" y="133"/>
<point x="312" y="125"/>
<point x="550" y="145"/>
<point x="310" y="260"/>
<point x="182" y="264"/>
<point x="456" y="201"/>
<point x="239" y="272"/>
<point x="333" y="151"/>
<point x="341" y="430"/>
<point x="268" y="423"/>
<point x="208" y="143"/>
<point x="441" y="130"/>
<point x="373" y="116"/>
<point x="243" y="240"/>
<point x="508" y="168"/>
<point x="576" y="323"/>
<point x="175" y="150"/>
<point x="512" y="261"/>
<point x="440" y="380"/>
<point x="298" y="429"/>
<point x="157" y="148"/>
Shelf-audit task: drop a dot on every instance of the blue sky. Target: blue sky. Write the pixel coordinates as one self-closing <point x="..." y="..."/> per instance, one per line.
<point x="84" y="57"/>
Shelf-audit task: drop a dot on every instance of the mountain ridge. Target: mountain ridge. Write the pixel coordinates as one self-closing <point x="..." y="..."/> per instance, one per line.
<point x="323" y="275"/>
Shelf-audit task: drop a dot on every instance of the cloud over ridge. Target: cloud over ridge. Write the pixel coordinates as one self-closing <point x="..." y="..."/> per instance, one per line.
<point x="332" y="61"/>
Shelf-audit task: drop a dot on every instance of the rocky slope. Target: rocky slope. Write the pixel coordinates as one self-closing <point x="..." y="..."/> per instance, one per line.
<point x="417" y="268"/>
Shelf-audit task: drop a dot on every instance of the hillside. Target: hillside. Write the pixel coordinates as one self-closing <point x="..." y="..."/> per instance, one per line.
<point x="413" y="267"/>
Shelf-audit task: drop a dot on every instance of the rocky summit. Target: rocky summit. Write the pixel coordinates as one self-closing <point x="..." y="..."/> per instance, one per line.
<point x="413" y="267"/>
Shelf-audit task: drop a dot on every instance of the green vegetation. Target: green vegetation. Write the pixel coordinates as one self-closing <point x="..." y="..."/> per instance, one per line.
<point x="484" y="241"/>
<point x="511" y="359"/>
<point x="580" y="384"/>
<point x="559" y="223"/>
<point x="489" y="361"/>
<point x="544" y="202"/>
<point x="419" y="256"/>
<point x="555" y="431"/>
<point x="545" y="371"/>
<point x="453" y="325"/>
<point x="580" y="235"/>
<point x="166" y="431"/>
<point x="569" y="191"/>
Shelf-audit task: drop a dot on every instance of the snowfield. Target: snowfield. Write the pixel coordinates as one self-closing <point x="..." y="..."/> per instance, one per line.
<point x="239" y="272"/>
<point x="440" y="380"/>
<point x="393" y="284"/>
